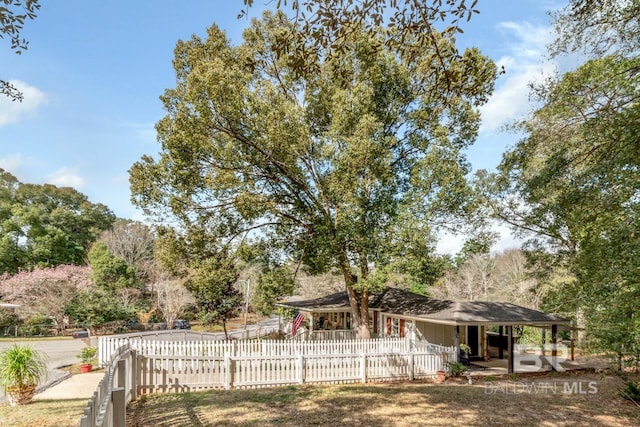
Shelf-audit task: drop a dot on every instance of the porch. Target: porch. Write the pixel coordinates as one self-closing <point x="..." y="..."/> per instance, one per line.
<point x="421" y="320"/>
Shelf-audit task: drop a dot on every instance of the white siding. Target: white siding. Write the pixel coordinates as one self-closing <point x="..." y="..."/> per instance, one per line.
<point x="436" y="333"/>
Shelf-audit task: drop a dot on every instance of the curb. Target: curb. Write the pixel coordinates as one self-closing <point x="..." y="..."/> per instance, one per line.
<point x="58" y="375"/>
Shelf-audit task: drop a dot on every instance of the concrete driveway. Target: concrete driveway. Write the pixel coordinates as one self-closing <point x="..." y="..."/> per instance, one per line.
<point x="57" y="353"/>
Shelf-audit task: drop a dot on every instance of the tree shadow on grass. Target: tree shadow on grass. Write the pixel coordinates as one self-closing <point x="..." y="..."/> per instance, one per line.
<point x="393" y="404"/>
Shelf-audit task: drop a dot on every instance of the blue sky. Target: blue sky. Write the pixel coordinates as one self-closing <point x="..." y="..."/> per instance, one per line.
<point x="94" y="72"/>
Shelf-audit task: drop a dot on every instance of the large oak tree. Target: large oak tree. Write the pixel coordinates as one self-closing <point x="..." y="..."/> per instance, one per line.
<point x="332" y="165"/>
<point x="44" y="225"/>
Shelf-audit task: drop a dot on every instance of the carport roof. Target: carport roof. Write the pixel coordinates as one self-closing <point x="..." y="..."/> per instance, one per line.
<point x="410" y="305"/>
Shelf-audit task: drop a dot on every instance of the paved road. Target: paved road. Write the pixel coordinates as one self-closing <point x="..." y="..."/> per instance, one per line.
<point x="57" y="353"/>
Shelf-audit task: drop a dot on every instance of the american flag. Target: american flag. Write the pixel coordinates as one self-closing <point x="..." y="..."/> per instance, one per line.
<point x="295" y="324"/>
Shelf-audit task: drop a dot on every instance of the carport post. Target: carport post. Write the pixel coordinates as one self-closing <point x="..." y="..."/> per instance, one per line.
<point x="500" y="349"/>
<point x="510" y="348"/>
<point x="544" y="339"/>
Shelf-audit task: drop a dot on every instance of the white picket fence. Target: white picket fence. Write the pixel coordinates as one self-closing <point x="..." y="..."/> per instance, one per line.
<point x="107" y="345"/>
<point x="107" y="406"/>
<point x="139" y="366"/>
<point x="197" y="365"/>
<point x="172" y="373"/>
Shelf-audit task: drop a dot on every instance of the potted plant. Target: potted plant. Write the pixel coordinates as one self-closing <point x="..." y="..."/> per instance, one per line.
<point x="21" y="369"/>
<point x="465" y="349"/>
<point x="86" y="356"/>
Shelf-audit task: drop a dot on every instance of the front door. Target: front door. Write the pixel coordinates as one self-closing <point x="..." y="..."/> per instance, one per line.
<point x="473" y="341"/>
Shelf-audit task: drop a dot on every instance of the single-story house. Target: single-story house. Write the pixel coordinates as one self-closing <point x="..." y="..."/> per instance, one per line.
<point x="400" y="313"/>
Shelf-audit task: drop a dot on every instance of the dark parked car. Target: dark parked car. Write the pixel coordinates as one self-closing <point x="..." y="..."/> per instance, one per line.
<point x="80" y="334"/>
<point x="181" y="324"/>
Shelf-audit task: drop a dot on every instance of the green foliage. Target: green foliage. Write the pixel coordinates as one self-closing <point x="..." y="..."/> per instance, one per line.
<point x="273" y="284"/>
<point x="44" y="225"/>
<point x="109" y="271"/>
<point x="208" y="270"/>
<point x="37" y="325"/>
<point x="457" y="369"/>
<point x="478" y="245"/>
<point x="94" y="307"/>
<point x="212" y="285"/>
<point x="133" y="242"/>
<point x="465" y="349"/>
<point x="87" y="354"/>
<point x="328" y="164"/>
<point x="325" y="28"/>
<point x="596" y="26"/>
<point x="14" y="14"/>
<point x="530" y="335"/>
<point x="413" y="262"/>
<point x="630" y="391"/>
<point x="573" y="180"/>
<point x="21" y="366"/>
<point x="8" y="318"/>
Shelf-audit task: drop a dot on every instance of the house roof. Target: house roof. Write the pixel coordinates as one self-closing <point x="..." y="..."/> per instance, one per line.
<point x="408" y="304"/>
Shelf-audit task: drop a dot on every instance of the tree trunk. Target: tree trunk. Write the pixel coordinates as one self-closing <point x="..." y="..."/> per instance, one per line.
<point x="358" y="300"/>
<point x="224" y="326"/>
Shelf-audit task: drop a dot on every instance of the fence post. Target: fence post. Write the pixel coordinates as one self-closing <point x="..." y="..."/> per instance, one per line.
<point x="122" y="371"/>
<point x="227" y="373"/>
<point x="411" y="367"/>
<point x="363" y="368"/>
<point x="89" y="411"/>
<point x="119" y="407"/>
<point x="133" y="375"/>
<point x="300" y="369"/>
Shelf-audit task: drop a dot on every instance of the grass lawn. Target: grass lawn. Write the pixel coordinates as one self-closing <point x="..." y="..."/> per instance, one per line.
<point x="43" y="413"/>
<point x="527" y="401"/>
<point x="498" y="402"/>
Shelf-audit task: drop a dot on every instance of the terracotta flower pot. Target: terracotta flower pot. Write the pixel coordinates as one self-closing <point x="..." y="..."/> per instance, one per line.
<point x="20" y="396"/>
<point x="441" y="377"/>
<point x="86" y="367"/>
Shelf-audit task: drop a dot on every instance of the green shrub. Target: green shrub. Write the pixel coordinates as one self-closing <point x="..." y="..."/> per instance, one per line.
<point x="630" y="391"/>
<point x="21" y="366"/>
<point x="457" y="369"/>
<point x="87" y="354"/>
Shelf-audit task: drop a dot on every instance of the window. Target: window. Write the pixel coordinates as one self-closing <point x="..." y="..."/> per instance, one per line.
<point x="395" y="327"/>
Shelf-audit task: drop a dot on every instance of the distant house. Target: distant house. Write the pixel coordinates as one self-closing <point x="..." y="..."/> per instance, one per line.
<point x="400" y="313"/>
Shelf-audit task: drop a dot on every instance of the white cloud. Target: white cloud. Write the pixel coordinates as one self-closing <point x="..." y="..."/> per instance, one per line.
<point x="14" y="111"/>
<point x="524" y="63"/>
<point x="66" y="177"/>
<point x="12" y="163"/>
<point x="530" y="41"/>
<point x="506" y="240"/>
<point x="449" y="244"/>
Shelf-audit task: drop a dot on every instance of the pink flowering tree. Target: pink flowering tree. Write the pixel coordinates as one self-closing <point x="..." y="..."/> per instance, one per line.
<point x="46" y="291"/>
